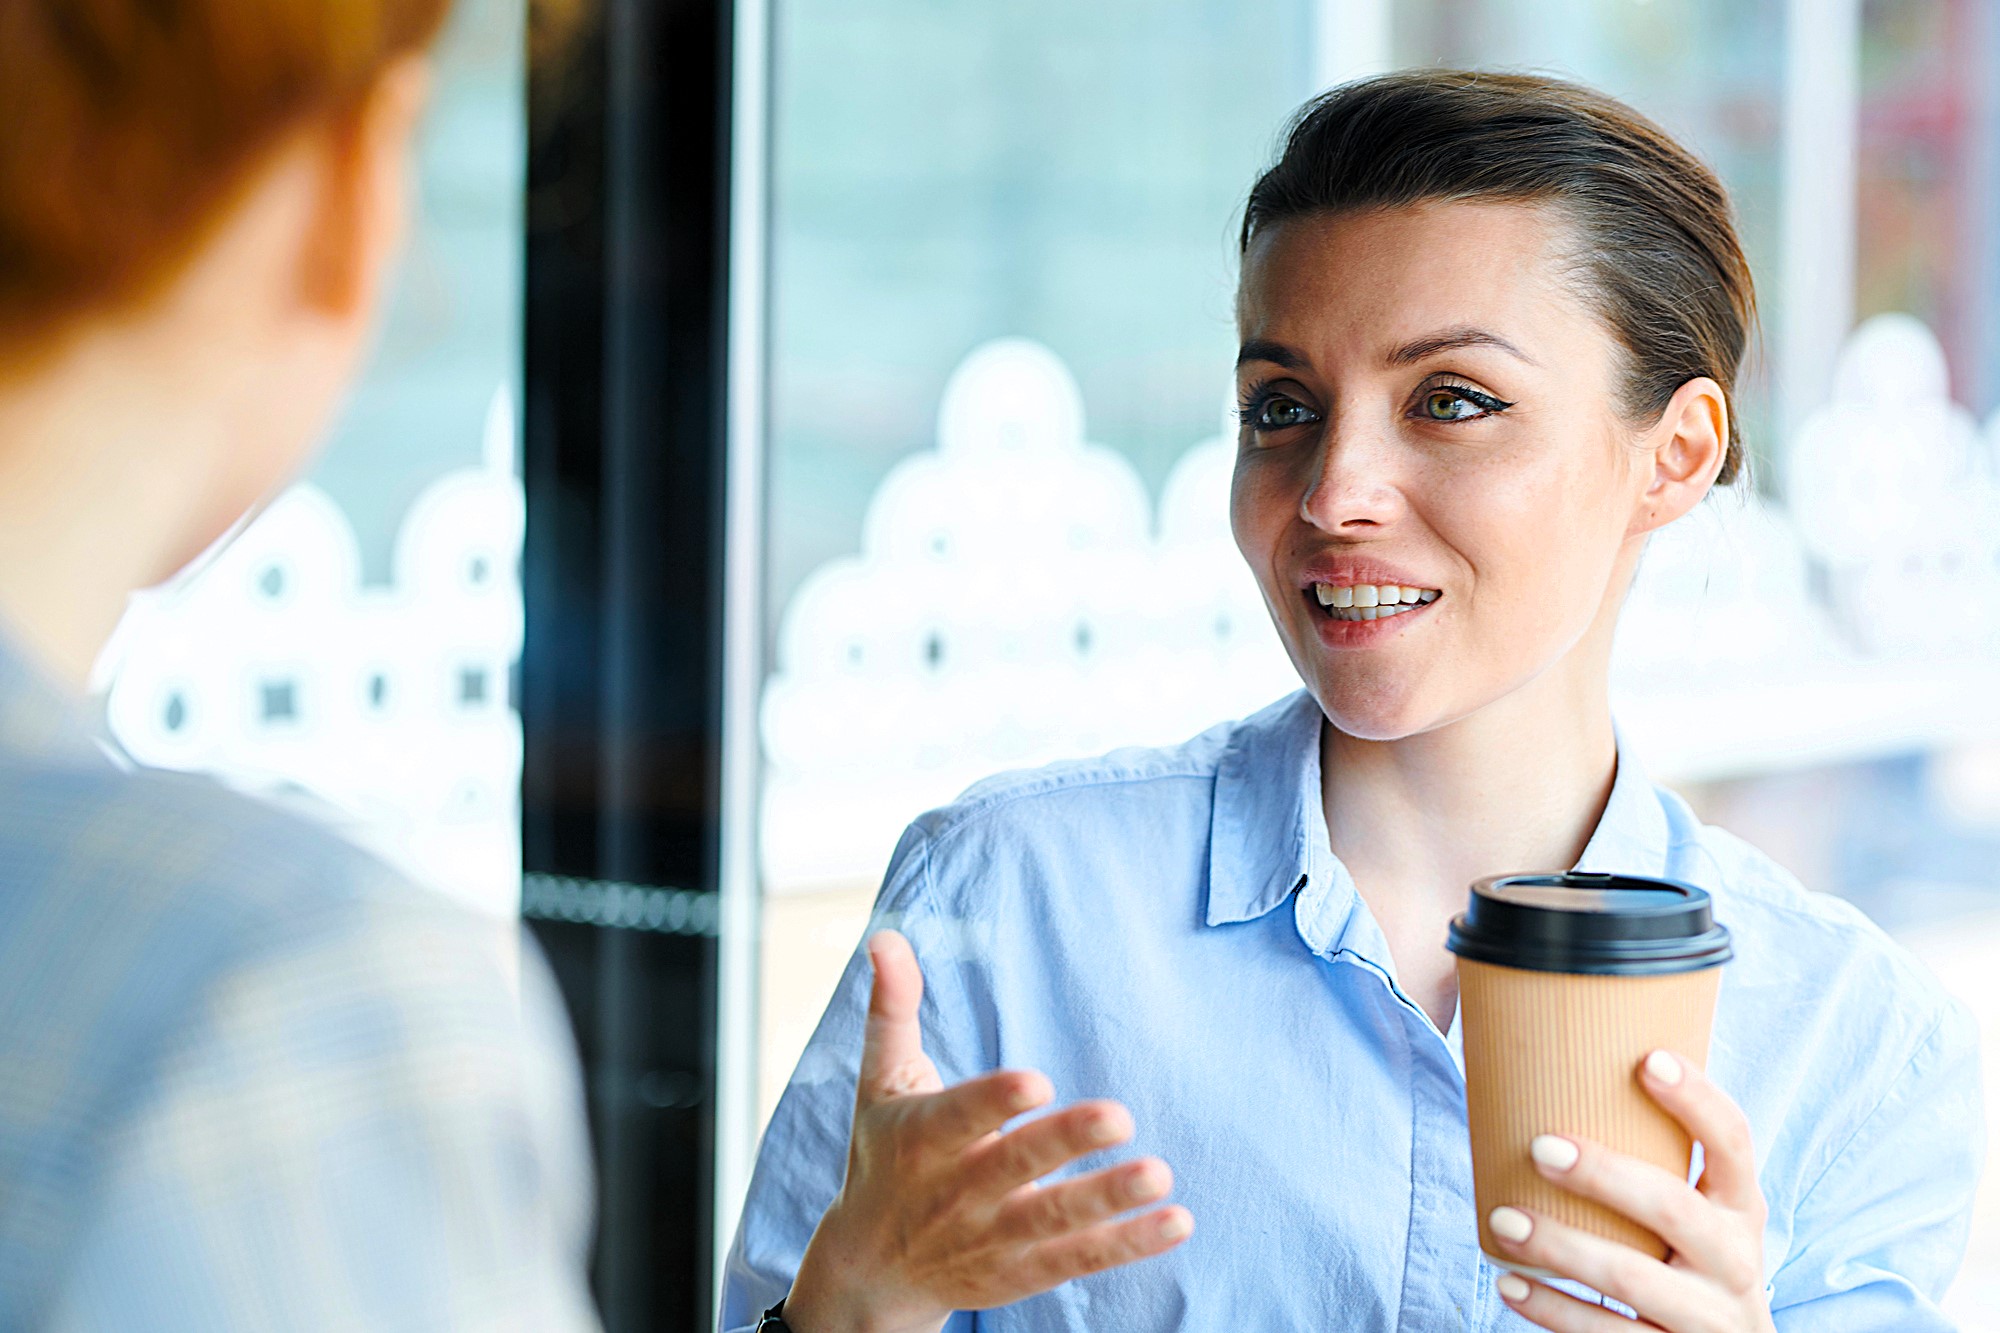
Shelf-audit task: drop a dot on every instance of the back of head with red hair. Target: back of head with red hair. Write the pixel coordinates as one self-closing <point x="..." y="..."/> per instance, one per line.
<point x="126" y="126"/>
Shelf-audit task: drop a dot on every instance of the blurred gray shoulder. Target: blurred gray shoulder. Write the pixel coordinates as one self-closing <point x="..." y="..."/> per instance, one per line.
<point x="146" y="844"/>
<point x="127" y="898"/>
<point x="133" y="904"/>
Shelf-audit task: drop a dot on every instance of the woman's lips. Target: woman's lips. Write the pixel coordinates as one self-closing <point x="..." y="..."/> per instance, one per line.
<point x="1370" y="601"/>
<point x="1356" y="624"/>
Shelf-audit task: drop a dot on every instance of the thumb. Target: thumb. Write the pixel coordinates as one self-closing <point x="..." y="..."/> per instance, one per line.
<point x="892" y="1046"/>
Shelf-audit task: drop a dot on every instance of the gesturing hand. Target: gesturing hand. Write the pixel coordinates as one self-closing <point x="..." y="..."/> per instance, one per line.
<point x="1713" y="1279"/>
<point x="941" y="1211"/>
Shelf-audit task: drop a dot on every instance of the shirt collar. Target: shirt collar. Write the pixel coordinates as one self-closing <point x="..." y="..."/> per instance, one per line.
<point x="1631" y="836"/>
<point x="1267" y="816"/>
<point x="1267" y="833"/>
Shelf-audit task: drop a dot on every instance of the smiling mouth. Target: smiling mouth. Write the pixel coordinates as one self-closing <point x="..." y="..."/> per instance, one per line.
<point x="1369" y="601"/>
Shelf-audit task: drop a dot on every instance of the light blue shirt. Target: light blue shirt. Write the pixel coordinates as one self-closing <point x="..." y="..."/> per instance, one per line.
<point x="1171" y="929"/>
<point x="251" y="1080"/>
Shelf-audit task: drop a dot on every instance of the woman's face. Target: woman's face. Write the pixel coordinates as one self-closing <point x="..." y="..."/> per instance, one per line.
<point x="1429" y="423"/>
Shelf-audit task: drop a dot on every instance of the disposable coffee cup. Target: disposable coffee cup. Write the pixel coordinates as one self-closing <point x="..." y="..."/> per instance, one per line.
<point x="1566" y="983"/>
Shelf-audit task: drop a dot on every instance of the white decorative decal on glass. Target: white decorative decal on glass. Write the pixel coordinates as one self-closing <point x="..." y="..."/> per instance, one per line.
<point x="387" y="708"/>
<point x="1894" y="486"/>
<point x="1859" y="618"/>
<point x="1013" y="603"/>
<point x="1016" y="602"/>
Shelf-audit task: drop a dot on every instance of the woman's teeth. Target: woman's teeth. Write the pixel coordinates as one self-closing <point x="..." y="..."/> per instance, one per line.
<point x="1370" y="601"/>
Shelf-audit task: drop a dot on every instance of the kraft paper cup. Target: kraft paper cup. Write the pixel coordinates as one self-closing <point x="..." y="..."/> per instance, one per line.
<point x="1566" y="983"/>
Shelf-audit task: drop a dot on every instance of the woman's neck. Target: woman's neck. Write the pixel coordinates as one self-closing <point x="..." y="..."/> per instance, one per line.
<point x="1518" y="785"/>
<point x="101" y="463"/>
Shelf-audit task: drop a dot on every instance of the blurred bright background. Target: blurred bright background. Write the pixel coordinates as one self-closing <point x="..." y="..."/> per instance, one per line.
<point x="1000" y="345"/>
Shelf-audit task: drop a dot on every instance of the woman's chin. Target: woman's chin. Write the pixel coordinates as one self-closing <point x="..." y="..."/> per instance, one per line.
<point x="1373" y="711"/>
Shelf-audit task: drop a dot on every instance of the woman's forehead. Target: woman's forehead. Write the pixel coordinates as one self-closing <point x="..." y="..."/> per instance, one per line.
<point x="1384" y="280"/>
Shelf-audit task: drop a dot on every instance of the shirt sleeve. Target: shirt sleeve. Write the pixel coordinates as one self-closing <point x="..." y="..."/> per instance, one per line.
<point x="364" y="1127"/>
<point x="803" y="1157"/>
<point x="1884" y="1228"/>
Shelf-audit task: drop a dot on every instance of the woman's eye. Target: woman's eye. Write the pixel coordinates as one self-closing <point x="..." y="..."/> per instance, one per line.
<point x="1280" y="413"/>
<point x="1447" y="404"/>
<point x="1444" y="405"/>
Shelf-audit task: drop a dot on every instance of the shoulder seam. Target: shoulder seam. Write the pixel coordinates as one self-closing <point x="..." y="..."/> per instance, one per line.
<point x="929" y="895"/>
<point x="962" y="814"/>
<point x="1759" y="889"/>
<point x="908" y="885"/>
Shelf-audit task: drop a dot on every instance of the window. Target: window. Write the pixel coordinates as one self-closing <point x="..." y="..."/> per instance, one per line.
<point x="1001" y="292"/>
<point x="345" y="645"/>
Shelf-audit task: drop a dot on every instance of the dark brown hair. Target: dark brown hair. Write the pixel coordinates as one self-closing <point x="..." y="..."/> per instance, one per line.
<point x="1657" y="244"/>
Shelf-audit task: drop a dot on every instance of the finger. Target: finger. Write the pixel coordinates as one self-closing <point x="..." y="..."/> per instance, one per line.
<point x="1561" y="1313"/>
<point x="1619" y="1271"/>
<point x="1040" y="1146"/>
<point x="1729" y="1158"/>
<point x="1042" y="1214"/>
<point x="892" y="1045"/>
<point x="967" y="1112"/>
<point x="1710" y="1241"/>
<point x="1107" y="1245"/>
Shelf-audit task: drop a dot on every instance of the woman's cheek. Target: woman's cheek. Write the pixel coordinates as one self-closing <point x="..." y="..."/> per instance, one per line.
<point x="1258" y="509"/>
<point x="1555" y="530"/>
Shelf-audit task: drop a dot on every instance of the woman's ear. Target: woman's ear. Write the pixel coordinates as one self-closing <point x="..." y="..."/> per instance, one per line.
<point x="1687" y="447"/>
<point x="363" y="205"/>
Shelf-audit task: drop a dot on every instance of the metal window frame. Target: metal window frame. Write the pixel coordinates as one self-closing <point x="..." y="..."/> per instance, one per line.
<point x="643" y="461"/>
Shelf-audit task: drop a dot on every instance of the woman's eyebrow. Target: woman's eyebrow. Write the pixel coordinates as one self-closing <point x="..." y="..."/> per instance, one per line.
<point x="1259" y="349"/>
<point x="1447" y="340"/>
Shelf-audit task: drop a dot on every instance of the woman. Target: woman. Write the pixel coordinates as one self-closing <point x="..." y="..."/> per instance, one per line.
<point x="249" y="1078"/>
<point x="1490" y="328"/>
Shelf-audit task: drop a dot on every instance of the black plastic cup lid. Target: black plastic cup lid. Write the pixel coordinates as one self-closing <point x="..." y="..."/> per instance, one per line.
<point x="1580" y="921"/>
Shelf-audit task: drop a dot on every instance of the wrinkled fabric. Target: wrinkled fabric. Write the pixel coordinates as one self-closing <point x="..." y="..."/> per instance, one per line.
<point x="1171" y="929"/>
<point x="250" y="1079"/>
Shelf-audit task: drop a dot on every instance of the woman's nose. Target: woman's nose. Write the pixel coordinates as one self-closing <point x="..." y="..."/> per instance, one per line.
<point x="1352" y="487"/>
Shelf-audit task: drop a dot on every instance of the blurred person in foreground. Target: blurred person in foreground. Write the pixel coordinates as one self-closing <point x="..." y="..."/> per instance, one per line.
<point x="249" y="1079"/>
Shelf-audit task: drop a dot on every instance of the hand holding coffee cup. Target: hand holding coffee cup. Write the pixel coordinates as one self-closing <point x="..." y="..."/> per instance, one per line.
<point x="1587" y="1002"/>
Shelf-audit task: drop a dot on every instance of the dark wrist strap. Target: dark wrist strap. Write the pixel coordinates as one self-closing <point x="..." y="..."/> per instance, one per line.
<point x="774" y="1320"/>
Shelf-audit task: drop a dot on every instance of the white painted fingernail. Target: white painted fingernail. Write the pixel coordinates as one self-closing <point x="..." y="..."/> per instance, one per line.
<point x="1557" y="1154"/>
<point x="1510" y="1224"/>
<point x="1175" y="1225"/>
<point x="1664" y="1068"/>
<point x="1514" y="1287"/>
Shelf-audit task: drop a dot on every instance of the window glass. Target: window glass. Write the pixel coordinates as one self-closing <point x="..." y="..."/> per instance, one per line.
<point x="946" y="174"/>
<point x="352" y="650"/>
<point x="1927" y="202"/>
<point x="1712" y="72"/>
<point x="1001" y="330"/>
<point x="1001" y="349"/>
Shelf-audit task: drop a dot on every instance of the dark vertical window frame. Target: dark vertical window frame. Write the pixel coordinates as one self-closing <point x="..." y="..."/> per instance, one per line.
<point x="627" y="833"/>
